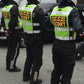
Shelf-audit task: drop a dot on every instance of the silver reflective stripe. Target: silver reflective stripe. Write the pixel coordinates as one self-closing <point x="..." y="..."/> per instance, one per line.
<point x="3" y="37"/>
<point x="7" y="28"/>
<point x="36" y="31"/>
<point x="36" y="24"/>
<point x="63" y="29"/>
<point x="65" y="38"/>
<point x="6" y="21"/>
<point x="61" y="12"/>
<point x="32" y="32"/>
<point x="31" y="24"/>
<point x="19" y="20"/>
<point x="29" y="9"/>
<point x="18" y="27"/>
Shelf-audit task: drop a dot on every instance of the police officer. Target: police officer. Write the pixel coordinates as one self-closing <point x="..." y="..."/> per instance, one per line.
<point x="66" y="22"/>
<point x="32" y="17"/>
<point x="12" y="27"/>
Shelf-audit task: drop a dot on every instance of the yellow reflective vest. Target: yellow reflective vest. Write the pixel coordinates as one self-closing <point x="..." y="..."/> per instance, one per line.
<point x="59" y="18"/>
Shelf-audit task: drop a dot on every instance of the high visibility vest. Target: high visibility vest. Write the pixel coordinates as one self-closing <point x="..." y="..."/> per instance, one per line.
<point x="59" y="18"/>
<point x="26" y="13"/>
<point x="6" y="15"/>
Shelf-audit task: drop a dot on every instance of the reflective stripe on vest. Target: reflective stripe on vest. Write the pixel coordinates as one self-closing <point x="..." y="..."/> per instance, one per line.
<point x="64" y="38"/>
<point x="26" y="17"/>
<point x="31" y="24"/>
<point x="59" y="18"/>
<point x="31" y="32"/>
<point x="63" y="29"/>
<point x="6" y="14"/>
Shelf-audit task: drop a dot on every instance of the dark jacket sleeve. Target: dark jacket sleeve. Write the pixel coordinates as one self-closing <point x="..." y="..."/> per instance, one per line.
<point x="14" y="19"/>
<point x="75" y="21"/>
<point x="39" y="15"/>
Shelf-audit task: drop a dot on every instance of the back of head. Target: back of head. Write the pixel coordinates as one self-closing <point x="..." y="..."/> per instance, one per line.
<point x="5" y="2"/>
<point x="74" y="1"/>
<point x="18" y="2"/>
<point x="67" y="2"/>
<point x="33" y="1"/>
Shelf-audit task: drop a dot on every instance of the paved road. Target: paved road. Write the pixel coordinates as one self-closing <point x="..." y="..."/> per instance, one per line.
<point x="45" y="73"/>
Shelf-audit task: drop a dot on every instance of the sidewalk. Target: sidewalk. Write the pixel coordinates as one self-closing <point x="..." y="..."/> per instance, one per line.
<point x="45" y="72"/>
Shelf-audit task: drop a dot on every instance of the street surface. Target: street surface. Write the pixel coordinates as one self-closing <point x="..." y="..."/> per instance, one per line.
<point x="45" y="72"/>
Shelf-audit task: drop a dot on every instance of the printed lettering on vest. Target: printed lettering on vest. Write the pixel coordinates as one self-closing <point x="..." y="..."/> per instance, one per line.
<point x="25" y="15"/>
<point x="5" y="15"/>
<point x="59" y="21"/>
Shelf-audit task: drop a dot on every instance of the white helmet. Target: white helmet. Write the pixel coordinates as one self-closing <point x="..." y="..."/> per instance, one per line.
<point x="74" y="1"/>
<point x="18" y="2"/>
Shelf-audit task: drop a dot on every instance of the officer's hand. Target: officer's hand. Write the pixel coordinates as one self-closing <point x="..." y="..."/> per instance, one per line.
<point x="7" y="35"/>
<point x="6" y="32"/>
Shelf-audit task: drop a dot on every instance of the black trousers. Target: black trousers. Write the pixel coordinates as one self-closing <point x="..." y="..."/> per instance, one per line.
<point x="12" y="52"/>
<point x="64" y="61"/>
<point x="34" y="51"/>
